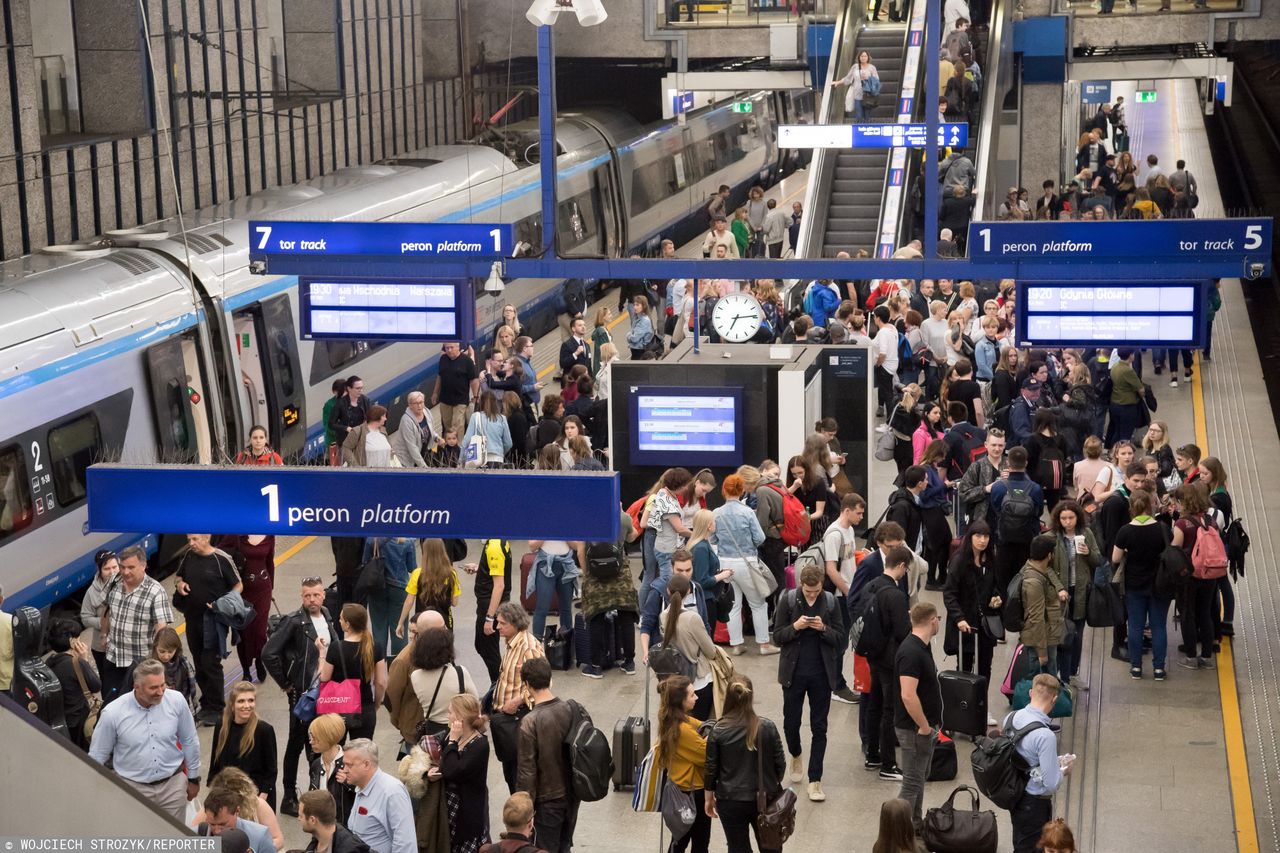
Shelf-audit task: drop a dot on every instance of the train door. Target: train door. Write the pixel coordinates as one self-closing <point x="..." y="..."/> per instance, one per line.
<point x="610" y="210"/>
<point x="177" y="387"/>
<point x="272" y="390"/>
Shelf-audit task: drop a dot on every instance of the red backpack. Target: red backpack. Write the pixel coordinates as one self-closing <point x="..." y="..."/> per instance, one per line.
<point x="1208" y="555"/>
<point x="795" y="518"/>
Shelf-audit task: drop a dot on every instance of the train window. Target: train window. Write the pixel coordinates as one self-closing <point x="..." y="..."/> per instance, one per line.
<point x="177" y="422"/>
<point x="722" y="150"/>
<point x="529" y="232"/>
<point x="342" y="353"/>
<point x="73" y="447"/>
<point x="656" y="182"/>
<point x="576" y="220"/>
<point x="15" y="493"/>
<point x="283" y="366"/>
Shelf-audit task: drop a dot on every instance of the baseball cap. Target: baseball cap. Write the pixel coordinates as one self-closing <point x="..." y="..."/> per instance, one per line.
<point x="1031" y="384"/>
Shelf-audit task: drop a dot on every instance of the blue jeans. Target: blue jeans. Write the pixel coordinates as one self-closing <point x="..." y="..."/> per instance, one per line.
<point x="1069" y="656"/>
<point x="859" y="111"/>
<point x="663" y="559"/>
<point x="384" y="609"/>
<point x="1142" y="605"/>
<point x="545" y="586"/>
<point x="1228" y="594"/>
<point x="649" y="562"/>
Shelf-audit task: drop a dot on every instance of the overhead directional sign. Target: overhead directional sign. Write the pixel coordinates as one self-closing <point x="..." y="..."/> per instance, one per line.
<point x="371" y="309"/>
<point x="1169" y="241"/>
<point x="419" y="240"/>
<point x="955" y="134"/>
<point x="353" y="502"/>
<point x="1095" y="92"/>
<point x="1059" y="314"/>
<point x="1147" y="97"/>
<point x="681" y="102"/>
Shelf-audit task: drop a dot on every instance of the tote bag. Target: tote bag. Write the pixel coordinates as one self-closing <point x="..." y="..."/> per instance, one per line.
<point x="339" y="697"/>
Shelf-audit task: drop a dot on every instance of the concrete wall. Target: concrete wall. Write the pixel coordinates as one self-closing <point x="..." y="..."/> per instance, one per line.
<point x="1041" y="135"/>
<point x="223" y="148"/>
<point x="50" y="788"/>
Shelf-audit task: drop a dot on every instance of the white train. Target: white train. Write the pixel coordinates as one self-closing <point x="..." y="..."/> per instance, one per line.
<point x="144" y="347"/>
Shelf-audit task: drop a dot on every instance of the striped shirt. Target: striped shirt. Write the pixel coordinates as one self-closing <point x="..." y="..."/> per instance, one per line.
<point x="522" y="647"/>
<point x="134" y="617"/>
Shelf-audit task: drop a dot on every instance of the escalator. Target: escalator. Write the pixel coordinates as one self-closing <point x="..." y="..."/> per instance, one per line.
<point x="858" y="176"/>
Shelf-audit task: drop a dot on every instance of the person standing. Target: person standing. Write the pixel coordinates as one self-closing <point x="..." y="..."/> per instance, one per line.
<point x="332" y="447"/>
<point x="577" y="349"/>
<point x="885" y="345"/>
<point x="682" y="752"/>
<point x="892" y="609"/>
<point x="738" y="534"/>
<point x="93" y="610"/>
<point x="509" y="694"/>
<point x="1043" y="598"/>
<point x="609" y="587"/>
<point x="255" y="559"/>
<point x="970" y="595"/>
<point x="1016" y="504"/>
<point x="1039" y="749"/>
<point x="382" y="813"/>
<point x="493" y="587"/>
<point x="739" y="747"/>
<point x="840" y="551"/>
<point x="975" y="486"/>
<point x="543" y="771"/>
<point x="241" y="739"/>
<point x="149" y="737"/>
<point x="348" y="411"/>
<point x="416" y="437"/>
<point x="292" y="658"/>
<point x="137" y="606"/>
<point x="73" y="665"/>
<point x="457" y="382"/>
<point x="367" y="445"/>
<point x="358" y="656"/>
<point x="917" y="715"/>
<point x="205" y="575"/>
<point x="318" y="818"/>
<point x="808" y="625"/>
<point x="464" y="767"/>
<point x="1199" y="595"/>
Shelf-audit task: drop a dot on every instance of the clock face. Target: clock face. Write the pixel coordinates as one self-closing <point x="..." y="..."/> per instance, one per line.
<point x="737" y="317"/>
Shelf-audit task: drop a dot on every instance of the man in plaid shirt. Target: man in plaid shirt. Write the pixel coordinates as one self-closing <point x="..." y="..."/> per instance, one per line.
<point x="137" y="607"/>
<point x="510" y="702"/>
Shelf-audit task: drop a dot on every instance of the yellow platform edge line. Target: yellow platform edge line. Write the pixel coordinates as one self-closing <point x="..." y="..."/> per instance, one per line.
<point x="1232" y="722"/>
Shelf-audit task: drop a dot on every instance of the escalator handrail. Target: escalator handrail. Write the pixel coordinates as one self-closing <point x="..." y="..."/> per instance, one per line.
<point x="921" y="84"/>
<point x="992" y="103"/>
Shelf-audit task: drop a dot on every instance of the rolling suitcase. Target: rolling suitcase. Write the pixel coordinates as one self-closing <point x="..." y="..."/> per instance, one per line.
<point x="631" y="738"/>
<point x="964" y="702"/>
<point x="558" y="647"/>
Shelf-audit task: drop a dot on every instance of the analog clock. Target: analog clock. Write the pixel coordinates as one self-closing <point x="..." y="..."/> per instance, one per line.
<point x="737" y="317"/>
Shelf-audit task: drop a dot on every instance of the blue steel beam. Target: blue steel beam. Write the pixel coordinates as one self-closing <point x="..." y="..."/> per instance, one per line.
<point x="547" y="137"/>
<point x="932" y="42"/>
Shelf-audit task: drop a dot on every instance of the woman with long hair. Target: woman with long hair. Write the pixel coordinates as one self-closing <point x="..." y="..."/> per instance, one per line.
<point x="257" y="451"/>
<point x="435" y="586"/>
<point x="488" y="421"/>
<point x="771" y="302"/>
<point x="518" y="425"/>
<point x="386" y="606"/>
<point x="682" y="628"/>
<point x="464" y="767"/>
<point x="1004" y="380"/>
<point x="1112" y="478"/>
<point x="1075" y="556"/>
<point x="603" y="376"/>
<point x="572" y="427"/>
<point x="931" y="429"/>
<point x="326" y="734"/>
<point x="1080" y="415"/>
<point x="1056" y="837"/>
<point x="934" y="502"/>
<point x="511" y="319"/>
<point x="740" y="745"/>
<point x="706" y="564"/>
<point x="665" y="515"/>
<point x="1214" y="475"/>
<point x="1140" y="543"/>
<point x="863" y="79"/>
<point x="504" y="341"/>
<point x="1048" y="456"/>
<point x="1197" y="596"/>
<point x="255" y="558"/>
<point x="252" y="806"/>
<point x="682" y="752"/>
<point x="241" y="739"/>
<point x="810" y="488"/>
<point x="903" y="421"/>
<point x="693" y="496"/>
<point x="970" y="594"/>
<point x="1156" y="444"/>
<point x="358" y="656"/>
<point x="897" y="832"/>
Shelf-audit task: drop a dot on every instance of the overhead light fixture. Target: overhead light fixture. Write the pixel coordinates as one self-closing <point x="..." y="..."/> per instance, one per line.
<point x="543" y="13"/>
<point x="495" y="284"/>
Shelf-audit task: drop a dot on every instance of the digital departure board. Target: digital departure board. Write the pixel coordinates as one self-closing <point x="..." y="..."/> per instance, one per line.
<point x="1057" y="314"/>
<point x="686" y="426"/>
<point x="387" y="310"/>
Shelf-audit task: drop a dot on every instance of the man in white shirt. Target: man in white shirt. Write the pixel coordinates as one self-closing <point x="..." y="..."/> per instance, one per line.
<point x="885" y="343"/>
<point x="720" y="235"/>
<point x="840" y="551"/>
<point x="775" y="228"/>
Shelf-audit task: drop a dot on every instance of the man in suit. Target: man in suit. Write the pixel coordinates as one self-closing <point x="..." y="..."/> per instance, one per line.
<point x="292" y="656"/>
<point x="576" y="350"/>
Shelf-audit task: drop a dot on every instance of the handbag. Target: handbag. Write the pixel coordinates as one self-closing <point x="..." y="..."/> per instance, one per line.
<point x="476" y="453"/>
<point x="870" y="101"/>
<point x="678" y="810"/>
<point x="93" y="700"/>
<point x="993" y="626"/>
<point x="723" y="601"/>
<point x="340" y="697"/>
<point x="373" y="575"/>
<point x="766" y="584"/>
<point x="948" y="829"/>
<point x="305" y="708"/>
<point x="885" y="443"/>
<point x="776" y="820"/>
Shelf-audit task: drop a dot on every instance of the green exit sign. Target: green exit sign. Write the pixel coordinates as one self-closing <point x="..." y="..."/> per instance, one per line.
<point x="1146" y="97"/>
<point x="743" y="106"/>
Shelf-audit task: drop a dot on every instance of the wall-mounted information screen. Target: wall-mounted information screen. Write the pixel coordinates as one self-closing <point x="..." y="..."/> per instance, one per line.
<point x="686" y="426"/>
<point x="1054" y="314"/>
<point x="400" y="310"/>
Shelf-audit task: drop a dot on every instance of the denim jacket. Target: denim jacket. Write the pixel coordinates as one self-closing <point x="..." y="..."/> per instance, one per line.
<point x="399" y="557"/>
<point x="737" y="529"/>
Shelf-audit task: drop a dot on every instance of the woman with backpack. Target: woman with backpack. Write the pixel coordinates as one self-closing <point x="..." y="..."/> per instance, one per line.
<point x="740" y="746"/>
<point x="1047" y="457"/>
<point x="810" y="488"/>
<point x="1214" y="476"/>
<point x="1075" y="556"/>
<point x="903" y="422"/>
<point x="435" y="586"/>
<point x="609" y="595"/>
<point x="1139" y="544"/>
<point x="682" y="752"/>
<point x="738" y="535"/>
<point x="1197" y="534"/>
<point x="683" y="630"/>
<point x="970" y="594"/>
<point x="935" y="502"/>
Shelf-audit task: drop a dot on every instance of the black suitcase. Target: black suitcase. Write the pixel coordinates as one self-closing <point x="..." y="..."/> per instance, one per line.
<point x="558" y="647"/>
<point x="34" y="686"/>
<point x="630" y="746"/>
<point x="964" y="702"/>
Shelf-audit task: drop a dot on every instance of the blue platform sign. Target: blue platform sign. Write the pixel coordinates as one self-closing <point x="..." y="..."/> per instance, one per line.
<point x="955" y="134"/>
<point x="681" y="102"/>
<point x="417" y="240"/>
<point x="354" y="502"/>
<point x="386" y="309"/>
<point x="1133" y="314"/>
<point x="1095" y="92"/>
<point x="1169" y="241"/>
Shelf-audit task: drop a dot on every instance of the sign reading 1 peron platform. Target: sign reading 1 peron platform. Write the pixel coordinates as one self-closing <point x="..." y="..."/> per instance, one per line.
<point x="353" y="502"/>
<point x="1167" y="240"/>
<point x="417" y="240"/>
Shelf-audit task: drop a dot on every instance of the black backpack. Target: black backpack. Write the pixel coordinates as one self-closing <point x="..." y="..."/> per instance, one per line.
<point x="1017" y="514"/>
<point x="1014" y="614"/>
<point x="590" y="759"/>
<point x="999" y="771"/>
<point x="867" y="633"/>
<point x="1051" y="471"/>
<point x="605" y="560"/>
<point x="1237" y="542"/>
<point x="973" y="446"/>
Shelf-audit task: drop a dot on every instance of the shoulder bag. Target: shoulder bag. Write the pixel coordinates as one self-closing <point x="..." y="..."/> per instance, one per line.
<point x="948" y="829"/>
<point x="776" y="820"/>
<point x="373" y="575"/>
<point x="766" y="584"/>
<point x="340" y="697"/>
<point x="427" y="728"/>
<point x="93" y="700"/>
<point x="886" y="441"/>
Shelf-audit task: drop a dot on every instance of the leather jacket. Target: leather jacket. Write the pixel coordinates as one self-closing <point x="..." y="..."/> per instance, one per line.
<point x="291" y="656"/>
<point x="731" y="767"/>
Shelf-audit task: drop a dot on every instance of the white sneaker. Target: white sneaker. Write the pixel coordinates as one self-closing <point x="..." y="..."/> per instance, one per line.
<point x="1079" y="683"/>
<point x="797" y="769"/>
<point x="815" y="792"/>
<point x="882" y="428"/>
<point x="1173" y="382"/>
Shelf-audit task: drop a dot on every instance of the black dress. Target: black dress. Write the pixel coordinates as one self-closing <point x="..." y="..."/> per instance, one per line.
<point x="466" y="792"/>
<point x="259" y="762"/>
<point x="74" y="706"/>
<point x="345" y="658"/>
